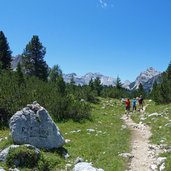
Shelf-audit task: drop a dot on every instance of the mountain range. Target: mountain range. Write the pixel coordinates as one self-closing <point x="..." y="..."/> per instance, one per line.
<point x="146" y="78"/>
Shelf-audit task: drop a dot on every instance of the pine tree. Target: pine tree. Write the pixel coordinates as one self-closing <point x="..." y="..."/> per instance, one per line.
<point x="55" y="72"/>
<point x="72" y="81"/>
<point x="118" y="83"/>
<point x="141" y="90"/>
<point x="165" y="89"/>
<point x="5" y="53"/>
<point x="155" y="93"/>
<point x="61" y="86"/>
<point x="97" y="86"/>
<point x="20" y="75"/>
<point x="169" y="71"/>
<point x="91" y="84"/>
<point x="33" y="59"/>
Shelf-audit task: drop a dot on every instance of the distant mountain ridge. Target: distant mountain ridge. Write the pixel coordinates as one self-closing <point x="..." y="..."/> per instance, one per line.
<point x="84" y="80"/>
<point x="146" y="78"/>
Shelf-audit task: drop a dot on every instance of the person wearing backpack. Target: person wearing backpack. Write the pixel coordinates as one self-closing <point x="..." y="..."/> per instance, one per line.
<point x="134" y="104"/>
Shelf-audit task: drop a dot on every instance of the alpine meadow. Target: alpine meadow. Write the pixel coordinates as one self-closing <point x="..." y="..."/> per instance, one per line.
<point x="98" y="133"/>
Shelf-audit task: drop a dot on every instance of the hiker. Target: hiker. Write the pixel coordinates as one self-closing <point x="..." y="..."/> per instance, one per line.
<point x="127" y="106"/>
<point x="141" y="102"/>
<point x="134" y="104"/>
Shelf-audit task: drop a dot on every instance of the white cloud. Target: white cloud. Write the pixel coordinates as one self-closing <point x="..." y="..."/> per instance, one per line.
<point x="103" y="3"/>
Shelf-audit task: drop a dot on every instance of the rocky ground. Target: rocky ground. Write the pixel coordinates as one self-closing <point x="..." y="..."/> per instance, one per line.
<point x="144" y="156"/>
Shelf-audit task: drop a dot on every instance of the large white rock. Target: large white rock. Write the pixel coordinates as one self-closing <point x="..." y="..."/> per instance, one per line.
<point x="1" y="169"/>
<point x="33" y="125"/>
<point x="84" y="166"/>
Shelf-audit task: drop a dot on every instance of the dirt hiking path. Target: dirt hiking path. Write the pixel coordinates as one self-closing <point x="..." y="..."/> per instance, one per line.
<point x="144" y="154"/>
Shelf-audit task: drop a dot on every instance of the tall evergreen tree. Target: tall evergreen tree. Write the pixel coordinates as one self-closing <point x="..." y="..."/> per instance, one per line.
<point x="33" y="59"/>
<point x="97" y="86"/>
<point x="118" y="83"/>
<point x="5" y="53"/>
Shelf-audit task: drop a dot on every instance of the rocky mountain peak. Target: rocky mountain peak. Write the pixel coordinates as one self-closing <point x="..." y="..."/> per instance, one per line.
<point x="145" y="76"/>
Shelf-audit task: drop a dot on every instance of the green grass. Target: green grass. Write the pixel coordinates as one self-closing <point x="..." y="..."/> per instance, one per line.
<point x="6" y="139"/>
<point x="100" y="147"/>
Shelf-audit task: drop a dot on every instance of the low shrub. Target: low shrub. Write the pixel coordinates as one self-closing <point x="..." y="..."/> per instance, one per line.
<point x="22" y="157"/>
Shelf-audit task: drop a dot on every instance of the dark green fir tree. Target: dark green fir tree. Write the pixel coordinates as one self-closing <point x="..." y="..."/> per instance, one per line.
<point x="5" y="53"/>
<point x="33" y="59"/>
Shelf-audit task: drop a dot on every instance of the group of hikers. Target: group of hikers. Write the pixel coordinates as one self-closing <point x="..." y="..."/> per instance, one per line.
<point x="134" y="101"/>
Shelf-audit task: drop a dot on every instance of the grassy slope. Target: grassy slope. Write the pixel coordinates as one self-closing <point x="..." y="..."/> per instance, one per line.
<point x="100" y="147"/>
<point x="161" y="133"/>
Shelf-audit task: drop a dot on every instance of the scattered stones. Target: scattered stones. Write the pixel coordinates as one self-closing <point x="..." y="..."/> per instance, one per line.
<point x="90" y="130"/>
<point x="67" y="141"/>
<point x="162" y="141"/>
<point x="126" y="155"/>
<point x="33" y="125"/>
<point x="15" y="169"/>
<point x="162" y="167"/>
<point x="153" y="147"/>
<point x="68" y="166"/>
<point x="143" y="119"/>
<point x="78" y="160"/>
<point x="168" y="125"/>
<point x="75" y="131"/>
<point x="153" y="167"/>
<point x="140" y="126"/>
<point x="154" y="114"/>
<point x="124" y="127"/>
<point x="160" y="161"/>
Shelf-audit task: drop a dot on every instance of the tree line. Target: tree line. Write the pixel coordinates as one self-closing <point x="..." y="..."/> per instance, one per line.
<point x="161" y="92"/>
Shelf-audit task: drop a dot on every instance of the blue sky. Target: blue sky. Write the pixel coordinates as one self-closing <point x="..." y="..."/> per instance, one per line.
<point x="113" y="37"/>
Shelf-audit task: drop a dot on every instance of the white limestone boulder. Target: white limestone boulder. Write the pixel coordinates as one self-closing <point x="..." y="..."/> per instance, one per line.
<point x="33" y="125"/>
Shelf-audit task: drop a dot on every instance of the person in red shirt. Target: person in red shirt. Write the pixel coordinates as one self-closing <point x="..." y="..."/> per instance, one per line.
<point x="127" y="106"/>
